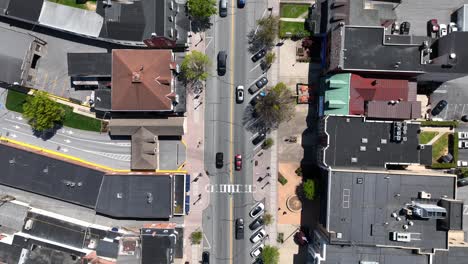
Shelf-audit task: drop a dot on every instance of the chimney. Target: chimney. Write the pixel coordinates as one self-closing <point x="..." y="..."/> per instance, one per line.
<point x="374" y="82"/>
<point x="136" y="77"/>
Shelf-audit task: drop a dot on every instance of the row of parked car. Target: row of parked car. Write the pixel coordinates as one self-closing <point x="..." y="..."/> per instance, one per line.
<point x="440" y="30"/>
<point x="257" y="226"/>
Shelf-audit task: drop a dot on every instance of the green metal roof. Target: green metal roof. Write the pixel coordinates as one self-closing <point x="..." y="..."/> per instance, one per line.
<point x="336" y="94"/>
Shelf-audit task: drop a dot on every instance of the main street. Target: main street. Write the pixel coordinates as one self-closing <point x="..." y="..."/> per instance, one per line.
<point x="225" y="131"/>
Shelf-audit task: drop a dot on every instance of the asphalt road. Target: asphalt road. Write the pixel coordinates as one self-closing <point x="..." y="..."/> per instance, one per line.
<point x="225" y="132"/>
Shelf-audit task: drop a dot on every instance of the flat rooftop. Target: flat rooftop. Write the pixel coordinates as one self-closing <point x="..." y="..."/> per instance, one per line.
<point x="361" y="204"/>
<point x="360" y="143"/>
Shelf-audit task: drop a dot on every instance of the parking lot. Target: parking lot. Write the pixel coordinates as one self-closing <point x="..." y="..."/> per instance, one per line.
<point x="418" y="12"/>
<point x="462" y="153"/>
<point x="456" y="95"/>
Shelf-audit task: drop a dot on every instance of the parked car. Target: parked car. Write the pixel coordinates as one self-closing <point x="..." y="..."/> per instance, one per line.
<point x="256" y="223"/>
<point x="257" y="98"/>
<point x="464" y="118"/>
<point x="240" y="94"/>
<point x="442" y="30"/>
<point x="262" y="82"/>
<point x="300" y="238"/>
<point x="462" y="163"/>
<point x="257" y="210"/>
<point x="258" y="261"/>
<point x="240" y="3"/>
<point x="462" y="144"/>
<point x="433" y="26"/>
<point x="260" y="54"/>
<point x="219" y="160"/>
<point x="257" y="251"/>
<point x="239" y="228"/>
<point x="405" y="28"/>
<point x="439" y="107"/>
<point x="462" y="182"/>
<point x="258" y="236"/>
<point x="396" y="28"/>
<point x="447" y="158"/>
<point x="462" y="135"/>
<point x="259" y="138"/>
<point x="222" y="58"/>
<point x="452" y="27"/>
<point x="223" y="6"/>
<point x="206" y="257"/>
<point x="238" y="162"/>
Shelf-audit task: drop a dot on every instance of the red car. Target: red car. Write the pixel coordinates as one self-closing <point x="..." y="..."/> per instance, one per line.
<point x="433" y="26"/>
<point x="238" y="162"/>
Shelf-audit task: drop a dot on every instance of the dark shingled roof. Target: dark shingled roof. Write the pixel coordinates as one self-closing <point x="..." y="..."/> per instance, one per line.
<point x="136" y="196"/>
<point x="25" y="9"/>
<point x="89" y="64"/>
<point x="157" y="246"/>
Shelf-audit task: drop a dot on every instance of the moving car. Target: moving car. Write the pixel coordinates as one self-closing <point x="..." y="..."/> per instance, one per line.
<point x="433" y="26"/>
<point x="258" y="236"/>
<point x="462" y="135"/>
<point x="223" y="8"/>
<point x="239" y="228"/>
<point x="260" y="54"/>
<point x="442" y="30"/>
<point x="257" y="251"/>
<point x="256" y="223"/>
<point x="462" y="144"/>
<point x="405" y="28"/>
<point x="238" y="162"/>
<point x="462" y="163"/>
<point x="240" y="3"/>
<point x="439" y="107"/>
<point x="257" y="210"/>
<point x="206" y="257"/>
<point x="259" y="138"/>
<point x="240" y="94"/>
<point x="452" y="27"/>
<point x="222" y="58"/>
<point x="219" y="160"/>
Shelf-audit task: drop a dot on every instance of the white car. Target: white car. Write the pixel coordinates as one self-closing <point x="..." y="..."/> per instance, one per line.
<point x="240" y="94"/>
<point x="442" y="30"/>
<point x="258" y="236"/>
<point x="462" y="135"/>
<point x="257" y="210"/>
<point x="452" y="27"/>
<point x="462" y="144"/>
<point x="255" y="253"/>
<point x="462" y="163"/>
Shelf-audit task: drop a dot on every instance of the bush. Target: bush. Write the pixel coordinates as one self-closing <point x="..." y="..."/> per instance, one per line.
<point x="308" y="187"/>
<point x="282" y="179"/>
<point x="270" y="255"/>
<point x="440" y="123"/>
<point x="268" y="143"/>
<point x="268" y="219"/>
<point x="298" y="171"/>
<point x="280" y="238"/>
<point x="196" y="237"/>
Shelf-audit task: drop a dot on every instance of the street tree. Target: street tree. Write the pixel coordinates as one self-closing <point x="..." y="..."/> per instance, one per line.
<point x="277" y="106"/>
<point x="268" y="143"/>
<point x="265" y="34"/>
<point x="196" y="237"/>
<point x="194" y="67"/>
<point x="268" y="219"/>
<point x="308" y="188"/>
<point x="270" y="255"/>
<point x="201" y="9"/>
<point x="42" y="112"/>
<point x="270" y="57"/>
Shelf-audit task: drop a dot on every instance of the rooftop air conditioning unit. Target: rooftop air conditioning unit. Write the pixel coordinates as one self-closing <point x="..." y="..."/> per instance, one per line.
<point x="424" y="195"/>
<point x="29" y="224"/>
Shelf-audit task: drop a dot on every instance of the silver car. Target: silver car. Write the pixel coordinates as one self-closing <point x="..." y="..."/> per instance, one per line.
<point x="258" y="236"/>
<point x="240" y="94"/>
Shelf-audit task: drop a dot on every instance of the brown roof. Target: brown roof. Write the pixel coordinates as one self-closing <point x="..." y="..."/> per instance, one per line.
<point x="144" y="150"/>
<point x="395" y="110"/>
<point x="174" y="126"/>
<point x="141" y="80"/>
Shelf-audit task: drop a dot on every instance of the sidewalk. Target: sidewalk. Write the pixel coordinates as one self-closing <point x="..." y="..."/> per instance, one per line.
<point x="194" y="140"/>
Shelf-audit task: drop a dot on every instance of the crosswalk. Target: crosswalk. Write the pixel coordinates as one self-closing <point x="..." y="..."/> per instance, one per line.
<point x="231" y="188"/>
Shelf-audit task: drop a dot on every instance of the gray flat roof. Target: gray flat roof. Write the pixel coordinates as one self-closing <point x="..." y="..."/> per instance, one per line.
<point x="15" y="47"/>
<point x="89" y="64"/>
<point x="456" y="255"/>
<point x="346" y="141"/>
<point x="364" y="49"/>
<point x="135" y="192"/>
<point x="25" y="9"/>
<point x="48" y="176"/>
<point x="361" y="204"/>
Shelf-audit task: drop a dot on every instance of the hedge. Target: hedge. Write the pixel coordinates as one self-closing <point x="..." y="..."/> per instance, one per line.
<point x="440" y="123"/>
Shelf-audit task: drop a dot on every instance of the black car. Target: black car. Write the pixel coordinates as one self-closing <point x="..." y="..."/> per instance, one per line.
<point x="256" y="223"/>
<point x="222" y="58"/>
<point x="262" y="82"/>
<point x="240" y="228"/>
<point x="206" y="257"/>
<point x="405" y="28"/>
<point x="219" y="160"/>
<point x="260" y="54"/>
<point x="464" y="118"/>
<point x="259" y="138"/>
<point x="241" y="3"/>
<point x="462" y="182"/>
<point x="258" y="261"/>
<point x="439" y="107"/>
<point x="256" y="99"/>
<point x="223" y="8"/>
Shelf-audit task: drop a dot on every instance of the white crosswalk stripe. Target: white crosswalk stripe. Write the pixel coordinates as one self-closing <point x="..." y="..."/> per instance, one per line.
<point x="230" y="188"/>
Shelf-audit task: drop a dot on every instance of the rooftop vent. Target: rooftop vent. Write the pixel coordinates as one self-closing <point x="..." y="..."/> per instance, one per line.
<point x="119" y="195"/>
<point x="354" y="160"/>
<point x="378" y="148"/>
<point x="363" y="140"/>
<point x="149" y="197"/>
<point x="362" y="148"/>
<point x="424" y="195"/>
<point x="339" y="235"/>
<point x="452" y="56"/>
<point x="136" y="77"/>
<point x="383" y="141"/>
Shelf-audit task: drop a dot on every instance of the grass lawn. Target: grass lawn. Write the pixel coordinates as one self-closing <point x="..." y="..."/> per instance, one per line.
<point x="294" y="28"/>
<point x="440" y="147"/>
<point x="426" y="136"/>
<point x="15" y="101"/>
<point x="73" y="3"/>
<point x="293" y="10"/>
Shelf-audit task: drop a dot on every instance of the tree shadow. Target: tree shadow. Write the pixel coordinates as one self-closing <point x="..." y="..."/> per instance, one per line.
<point x="48" y="133"/>
<point x="200" y="24"/>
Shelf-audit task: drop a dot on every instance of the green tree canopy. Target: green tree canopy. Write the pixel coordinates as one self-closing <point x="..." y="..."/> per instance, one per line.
<point x="42" y="112"/>
<point x="268" y="219"/>
<point x="270" y="255"/>
<point x="277" y="106"/>
<point x="196" y="237"/>
<point x="308" y="188"/>
<point x="194" y="67"/>
<point x="265" y="35"/>
<point x="268" y="143"/>
<point x="202" y="9"/>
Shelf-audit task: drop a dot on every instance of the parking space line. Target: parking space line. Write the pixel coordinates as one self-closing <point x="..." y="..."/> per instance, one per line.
<point x="64" y="86"/>
<point x="53" y="85"/>
<point x="45" y="80"/>
<point x="256" y="66"/>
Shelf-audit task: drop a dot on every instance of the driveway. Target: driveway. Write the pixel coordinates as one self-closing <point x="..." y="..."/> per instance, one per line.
<point x="456" y="95"/>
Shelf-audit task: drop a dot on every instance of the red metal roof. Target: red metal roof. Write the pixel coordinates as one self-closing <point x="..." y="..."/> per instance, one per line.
<point x="372" y="89"/>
